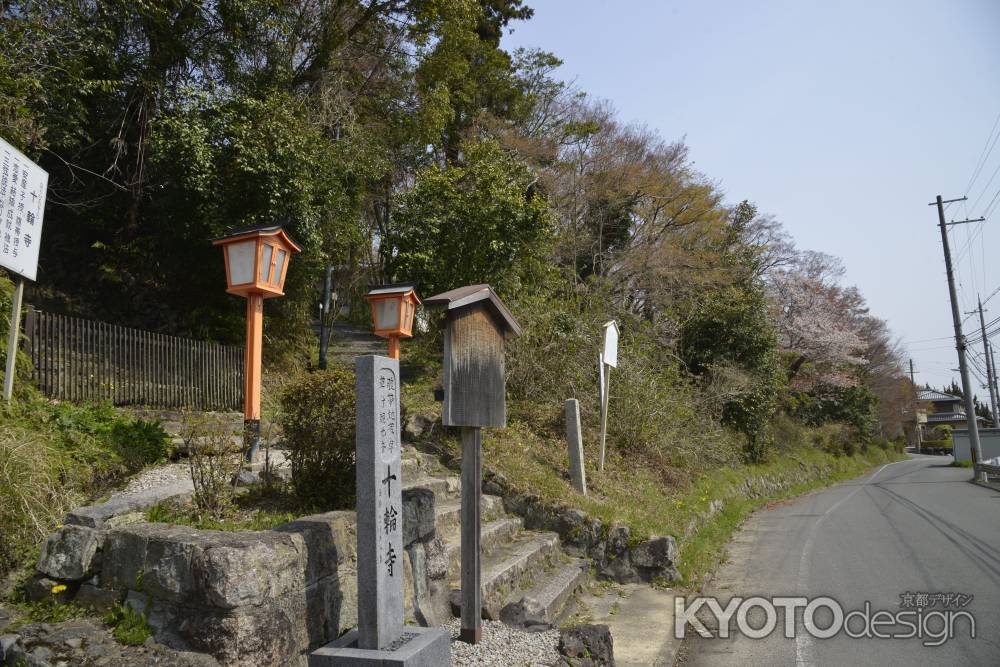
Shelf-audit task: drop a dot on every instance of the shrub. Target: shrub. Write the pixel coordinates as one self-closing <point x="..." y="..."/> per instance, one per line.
<point x="837" y="439"/>
<point x="214" y="459"/>
<point x="318" y="423"/>
<point x="139" y="443"/>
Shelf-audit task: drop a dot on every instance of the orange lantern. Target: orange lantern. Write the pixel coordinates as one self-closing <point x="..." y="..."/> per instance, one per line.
<point x="393" y="307"/>
<point x="256" y="264"/>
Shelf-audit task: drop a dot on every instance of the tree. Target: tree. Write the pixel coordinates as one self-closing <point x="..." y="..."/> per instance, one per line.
<point x="816" y="321"/>
<point x="730" y="343"/>
<point x="482" y="221"/>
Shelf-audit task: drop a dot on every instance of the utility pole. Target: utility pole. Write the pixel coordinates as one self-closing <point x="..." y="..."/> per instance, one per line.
<point x="916" y="405"/>
<point x="990" y="371"/>
<point x="996" y="384"/>
<point x="960" y="345"/>
<point x="324" y="312"/>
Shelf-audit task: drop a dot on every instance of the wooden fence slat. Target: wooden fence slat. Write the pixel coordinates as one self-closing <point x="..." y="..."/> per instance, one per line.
<point x="87" y="360"/>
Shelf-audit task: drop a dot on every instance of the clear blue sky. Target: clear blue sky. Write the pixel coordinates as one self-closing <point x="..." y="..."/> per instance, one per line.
<point x="843" y="119"/>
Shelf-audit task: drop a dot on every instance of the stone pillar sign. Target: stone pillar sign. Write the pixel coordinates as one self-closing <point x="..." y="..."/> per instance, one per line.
<point x="381" y="639"/>
<point x="380" y="503"/>
<point x="574" y="441"/>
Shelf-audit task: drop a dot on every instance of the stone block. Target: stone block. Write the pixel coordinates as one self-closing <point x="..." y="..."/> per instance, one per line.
<point x="96" y="516"/>
<point x="96" y="598"/>
<point x="418" y="515"/>
<point x="7" y="643"/>
<point x="587" y="646"/>
<point x="424" y="647"/>
<point x="527" y="614"/>
<point x="263" y="635"/>
<point x="70" y="553"/>
<point x="327" y="542"/>
<point x="656" y="553"/>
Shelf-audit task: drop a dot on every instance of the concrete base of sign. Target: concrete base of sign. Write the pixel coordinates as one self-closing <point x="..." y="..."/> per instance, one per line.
<point x="424" y="647"/>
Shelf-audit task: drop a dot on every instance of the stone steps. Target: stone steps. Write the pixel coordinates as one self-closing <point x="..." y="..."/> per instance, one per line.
<point x="448" y="512"/>
<point x="491" y="535"/>
<point x="443" y="487"/>
<point x="553" y="593"/>
<point x="514" y="566"/>
<point x="515" y="563"/>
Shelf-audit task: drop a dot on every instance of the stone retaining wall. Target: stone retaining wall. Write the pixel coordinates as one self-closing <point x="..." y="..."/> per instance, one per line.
<point x="247" y="598"/>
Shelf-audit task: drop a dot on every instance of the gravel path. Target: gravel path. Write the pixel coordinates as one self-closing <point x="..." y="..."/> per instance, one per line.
<point x="504" y="646"/>
<point x="161" y="475"/>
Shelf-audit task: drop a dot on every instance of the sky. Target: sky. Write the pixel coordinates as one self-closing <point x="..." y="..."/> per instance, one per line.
<point x="842" y="119"/>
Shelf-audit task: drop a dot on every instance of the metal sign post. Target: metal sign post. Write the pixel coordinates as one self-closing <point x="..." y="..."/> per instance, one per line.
<point x="607" y="360"/>
<point x="23" y="185"/>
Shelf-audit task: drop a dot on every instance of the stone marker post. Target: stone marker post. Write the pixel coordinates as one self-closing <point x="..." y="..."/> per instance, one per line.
<point x="380" y="503"/>
<point x="381" y="639"/>
<point x="574" y="439"/>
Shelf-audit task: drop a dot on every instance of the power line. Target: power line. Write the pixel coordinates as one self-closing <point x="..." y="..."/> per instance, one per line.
<point x="984" y="154"/>
<point x="991" y="206"/>
<point x="986" y="187"/>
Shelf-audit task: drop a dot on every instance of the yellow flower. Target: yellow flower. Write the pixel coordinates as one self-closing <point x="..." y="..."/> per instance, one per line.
<point x="58" y="588"/>
<point x="59" y="525"/>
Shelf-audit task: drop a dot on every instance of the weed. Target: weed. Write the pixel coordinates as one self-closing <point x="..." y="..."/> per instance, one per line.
<point x="129" y="627"/>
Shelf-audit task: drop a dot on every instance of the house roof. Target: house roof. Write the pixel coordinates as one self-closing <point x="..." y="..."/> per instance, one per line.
<point x="932" y="395"/>
<point x="470" y="294"/>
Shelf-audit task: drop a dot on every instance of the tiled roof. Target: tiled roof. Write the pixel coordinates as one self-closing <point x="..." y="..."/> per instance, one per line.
<point x="931" y="395"/>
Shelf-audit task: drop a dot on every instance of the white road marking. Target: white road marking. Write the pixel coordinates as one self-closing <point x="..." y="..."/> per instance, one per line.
<point x="804" y="656"/>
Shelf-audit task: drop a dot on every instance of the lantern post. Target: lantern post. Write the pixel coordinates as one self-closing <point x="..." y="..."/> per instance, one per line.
<point x="393" y="307"/>
<point x="256" y="264"/>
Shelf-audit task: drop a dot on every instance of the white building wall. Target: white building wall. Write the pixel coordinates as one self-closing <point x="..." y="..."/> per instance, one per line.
<point x="989" y="440"/>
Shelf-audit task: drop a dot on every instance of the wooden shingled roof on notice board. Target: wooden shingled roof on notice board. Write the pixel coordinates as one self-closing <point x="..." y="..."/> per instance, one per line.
<point x="470" y="294"/>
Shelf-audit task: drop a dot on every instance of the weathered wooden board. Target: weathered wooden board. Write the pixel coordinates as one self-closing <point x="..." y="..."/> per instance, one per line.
<point x="474" y="380"/>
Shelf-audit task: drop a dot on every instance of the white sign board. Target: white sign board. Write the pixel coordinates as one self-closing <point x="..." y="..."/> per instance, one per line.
<point x="23" y="185"/>
<point x="611" y="343"/>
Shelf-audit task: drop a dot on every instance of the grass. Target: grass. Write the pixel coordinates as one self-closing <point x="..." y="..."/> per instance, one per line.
<point x="256" y="509"/>
<point x="55" y="455"/>
<point x="961" y="464"/>
<point x="700" y="553"/>
<point x="48" y="610"/>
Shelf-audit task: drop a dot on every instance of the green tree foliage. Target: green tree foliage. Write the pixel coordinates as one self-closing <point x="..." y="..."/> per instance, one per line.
<point x="730" y="343"/>
<point x="399" y="141"/>
<point x="163" y="123"/>
<point x="478" y="222"/>
<point x="855" y="406"/>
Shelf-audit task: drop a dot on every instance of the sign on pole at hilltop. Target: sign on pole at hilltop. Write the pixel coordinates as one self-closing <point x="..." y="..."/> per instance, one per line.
<point x="611" y="343"/>
<point x="607" y="360"/>
<point x="23" y="185"/>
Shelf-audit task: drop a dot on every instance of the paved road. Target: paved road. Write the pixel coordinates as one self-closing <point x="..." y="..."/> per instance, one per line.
<point x="917" y="526"/>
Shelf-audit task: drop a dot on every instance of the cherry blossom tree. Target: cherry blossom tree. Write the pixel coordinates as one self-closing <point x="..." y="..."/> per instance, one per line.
<point x="817" y="321"/>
